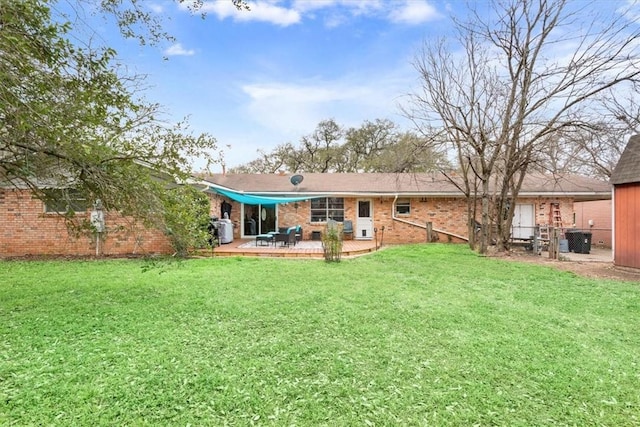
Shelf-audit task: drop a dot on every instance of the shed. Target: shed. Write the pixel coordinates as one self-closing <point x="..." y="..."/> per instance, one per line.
<point x="626" y="206"/>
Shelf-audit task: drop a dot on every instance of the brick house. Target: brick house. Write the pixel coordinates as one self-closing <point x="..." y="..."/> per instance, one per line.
<point x="30" y="227"/>
<point x="401" y="204"/>
<point x="626" y="206"/>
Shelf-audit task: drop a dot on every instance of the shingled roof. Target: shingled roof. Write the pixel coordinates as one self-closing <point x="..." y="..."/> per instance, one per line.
<point x="628" y="168"/>
<point x="379" y="184"/>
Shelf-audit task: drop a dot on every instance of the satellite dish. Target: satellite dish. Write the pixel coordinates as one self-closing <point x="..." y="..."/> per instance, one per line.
<point x="296" y="179"/>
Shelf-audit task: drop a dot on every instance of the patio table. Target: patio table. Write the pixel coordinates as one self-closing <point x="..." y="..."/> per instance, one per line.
<point x="264" y="238"/>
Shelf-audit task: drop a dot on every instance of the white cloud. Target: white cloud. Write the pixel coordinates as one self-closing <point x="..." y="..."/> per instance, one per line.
<point x="178" y="50"/>
<point x="311" y="5"/>
<point x="630" y="10"/>
<point x="280" y="112"/>
<point x="295" y="109"/>
<point x="156" y="8"/>
<point x="264" y="11"/>
<point x="335" y="12"/>
<point x="357" y="7"/>
<point x="414" y="12"/>
<point x="340" y="12"/>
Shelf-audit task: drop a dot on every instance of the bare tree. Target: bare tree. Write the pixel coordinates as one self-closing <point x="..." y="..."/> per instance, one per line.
<point x="595" y="150"/>
<point x="522" y="73"/>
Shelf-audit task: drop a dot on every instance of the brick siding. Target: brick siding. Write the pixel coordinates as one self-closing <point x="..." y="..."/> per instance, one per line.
<point x="599" y="212"/>
<point x="446" y="214"/>
<point x="25" y="230"/>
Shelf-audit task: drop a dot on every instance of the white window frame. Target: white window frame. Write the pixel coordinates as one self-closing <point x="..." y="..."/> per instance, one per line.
<point x="403" y="206"/>
<point x="329" y="211"/>
<point x="67" y="197"/>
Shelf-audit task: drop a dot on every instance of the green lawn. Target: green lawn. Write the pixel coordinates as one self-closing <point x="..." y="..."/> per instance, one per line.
<point x="414" y="335"/>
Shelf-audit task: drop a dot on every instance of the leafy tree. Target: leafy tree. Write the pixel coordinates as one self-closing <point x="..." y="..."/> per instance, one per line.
<point x="279" y="158"/>
<point x="365" y="145"/>
<point x="185" y="219"/>
<point x="373" y="147"/>
<point x="406" y="152"/>
<point x="136" y="20"/>
<point x="69" y="119"/>
<point x="319" y="151"/>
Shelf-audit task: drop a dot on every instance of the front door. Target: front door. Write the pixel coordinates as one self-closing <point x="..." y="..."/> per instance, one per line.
<point x="523" y="225"/>
<point x="364" y="222"/>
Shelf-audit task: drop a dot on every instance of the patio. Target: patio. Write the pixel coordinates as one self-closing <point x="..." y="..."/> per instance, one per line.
<point x="304" y="249"/>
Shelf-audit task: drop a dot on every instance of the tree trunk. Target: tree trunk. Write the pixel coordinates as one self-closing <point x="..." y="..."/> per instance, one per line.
<point x="485" y="230"/>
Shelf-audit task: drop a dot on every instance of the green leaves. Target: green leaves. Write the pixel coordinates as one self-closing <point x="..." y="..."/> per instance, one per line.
<point x="373" y="147"/>
<point x="69" y="118"/>
<point x="185" y="219"/>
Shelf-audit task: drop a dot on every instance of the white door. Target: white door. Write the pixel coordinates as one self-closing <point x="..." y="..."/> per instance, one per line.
<point x="523" y="226"/>
<point x="364" y="222"/>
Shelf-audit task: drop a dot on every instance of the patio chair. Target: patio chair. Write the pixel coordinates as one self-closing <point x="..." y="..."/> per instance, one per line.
<point x="347" y="229"/>
<point x="298" y="233"/>
<point x="286" y="239"/>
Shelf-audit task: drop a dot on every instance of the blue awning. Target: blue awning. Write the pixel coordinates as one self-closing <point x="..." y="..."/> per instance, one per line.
<point x="251" y="199"/>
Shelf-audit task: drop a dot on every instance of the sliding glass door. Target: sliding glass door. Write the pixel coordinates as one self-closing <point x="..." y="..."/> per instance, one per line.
<point x="258" y="219"/>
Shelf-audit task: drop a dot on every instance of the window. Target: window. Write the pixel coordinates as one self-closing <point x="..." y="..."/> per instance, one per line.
<point x="403" y="206"/>
<point x="327" y="208"/>
<point x="63" y="201"/>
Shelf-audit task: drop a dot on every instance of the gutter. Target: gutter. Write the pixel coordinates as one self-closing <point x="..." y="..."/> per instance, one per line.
<point x="415" y="224"/>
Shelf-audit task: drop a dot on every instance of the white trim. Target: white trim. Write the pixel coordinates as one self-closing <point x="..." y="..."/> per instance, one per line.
<point x="364" y="223"/>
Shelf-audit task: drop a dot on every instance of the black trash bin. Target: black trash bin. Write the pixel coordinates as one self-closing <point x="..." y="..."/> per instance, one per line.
<point x="573" y="239"/>
<point x="583" y="243"/>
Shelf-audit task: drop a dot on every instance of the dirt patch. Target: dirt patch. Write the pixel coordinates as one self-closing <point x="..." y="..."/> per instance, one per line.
<point x="591" y="269"/>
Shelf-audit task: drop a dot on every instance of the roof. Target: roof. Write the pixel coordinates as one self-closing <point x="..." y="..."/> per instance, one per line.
<point x="628" y="168"/>
<point x="409" y="184"/>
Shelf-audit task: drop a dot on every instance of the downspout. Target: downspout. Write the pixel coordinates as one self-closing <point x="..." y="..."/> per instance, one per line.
<point x="415" y="224"/>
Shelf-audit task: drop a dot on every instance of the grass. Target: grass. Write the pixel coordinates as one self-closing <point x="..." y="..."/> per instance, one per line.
<point x="414" y="335"/>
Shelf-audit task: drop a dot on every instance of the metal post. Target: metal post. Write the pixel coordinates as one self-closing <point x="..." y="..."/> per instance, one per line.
<point x="375" y="233"/>
<point x="97" y="221"/>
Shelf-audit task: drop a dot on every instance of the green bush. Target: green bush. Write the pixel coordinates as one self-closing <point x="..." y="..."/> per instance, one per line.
<point x="186" y="216"/>
<point x="332" y="243"/>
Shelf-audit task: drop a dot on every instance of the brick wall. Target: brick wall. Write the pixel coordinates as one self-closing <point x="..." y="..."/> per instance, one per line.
<point x="446" y="214"/>
<point x="26" y="230"/>
<point x="544" y="210"/>
<point x="577" y="215"/>
<point x="599" y="212"/>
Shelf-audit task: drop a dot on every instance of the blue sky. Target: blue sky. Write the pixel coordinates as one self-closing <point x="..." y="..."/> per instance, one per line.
<point x="256" y="79"/>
